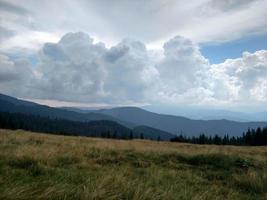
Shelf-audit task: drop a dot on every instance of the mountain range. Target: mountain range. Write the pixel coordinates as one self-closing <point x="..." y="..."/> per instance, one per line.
<point x="202" y="113"/>
<point x="10" y="104"/>
<point x="141" y="121"/>
<point x="180" y="125"/>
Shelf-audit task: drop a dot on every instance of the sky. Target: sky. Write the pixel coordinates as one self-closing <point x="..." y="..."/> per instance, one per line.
<point x="209" y="53"/>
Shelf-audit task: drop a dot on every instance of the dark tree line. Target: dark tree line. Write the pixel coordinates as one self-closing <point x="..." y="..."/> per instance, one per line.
<point x="253" y="137"/>
<point x="35" y="123"/>
<point x="102" y="128"/>
<point x="110" y="129"/>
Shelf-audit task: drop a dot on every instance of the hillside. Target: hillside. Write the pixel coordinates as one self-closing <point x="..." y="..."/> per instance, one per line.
<point x="98" y="128"/>
<point x="209" y="113"/>
<point x="152" y="133"/>
<point x="40" y="166"/>
<point x="132" y="117"/>
<point x="177" y="124"/>
<point x="10" y="104"/>
<point x="14" y="105"/>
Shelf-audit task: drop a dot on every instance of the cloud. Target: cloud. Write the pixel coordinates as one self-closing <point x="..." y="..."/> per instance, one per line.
<point x="229" y="5"/>
<point x="77" y="69"/>
<point x="127" y="75"/>
<point x="5" y="33"/>
<point x="71" y="69"/>
<point x="14" y="76"/>
<point x="9" y="7"/>
<point x="154" y="23"/>
<point x="18" y="31"/>
<point x="26" y="41"/>
<point x="244" y="78"/>
<point x="181" y="75"/>
<point x="184" y="62"/>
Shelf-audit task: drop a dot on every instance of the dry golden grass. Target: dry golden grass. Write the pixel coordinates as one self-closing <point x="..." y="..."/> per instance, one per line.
<point x="42" y="166"/>
<point x="74" y="144"/>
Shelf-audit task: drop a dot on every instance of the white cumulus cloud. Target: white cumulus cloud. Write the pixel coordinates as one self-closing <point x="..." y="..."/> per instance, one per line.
<point x="78" y="69"/>
<point x="243" y="79"/>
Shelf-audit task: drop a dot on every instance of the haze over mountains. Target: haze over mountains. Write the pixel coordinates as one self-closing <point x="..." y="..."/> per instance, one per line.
<point x="12" y="105"/>
<point x="180" y="125"/>
<point x="208" y="113"/>
<point x="198" y="113"/>
<point x="137" y="119"/>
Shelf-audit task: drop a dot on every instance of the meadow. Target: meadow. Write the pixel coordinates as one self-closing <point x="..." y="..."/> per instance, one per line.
<point x="43" y="166"/>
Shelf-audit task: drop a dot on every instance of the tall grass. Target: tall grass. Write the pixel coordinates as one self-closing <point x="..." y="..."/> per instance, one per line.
<point x="39" y="166"/>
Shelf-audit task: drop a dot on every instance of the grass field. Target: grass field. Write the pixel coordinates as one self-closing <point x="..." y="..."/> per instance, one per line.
<point x="40" y="166"/>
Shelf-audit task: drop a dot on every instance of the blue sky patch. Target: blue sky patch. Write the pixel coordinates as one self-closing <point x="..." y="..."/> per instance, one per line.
<point x="218" y="53"/>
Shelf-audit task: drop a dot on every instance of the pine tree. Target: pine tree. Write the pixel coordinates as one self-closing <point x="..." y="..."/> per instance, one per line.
<point x="131" y="135"/>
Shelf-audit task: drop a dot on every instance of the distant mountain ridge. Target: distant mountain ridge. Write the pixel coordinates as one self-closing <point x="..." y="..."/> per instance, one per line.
<point x="132" y="117"/>
<point x="152" y="133"/>
<point x="180" y="125"/>
<point x="99" y="128"/>
<point x="13" y="105"/>
<point x="199" y="113"/>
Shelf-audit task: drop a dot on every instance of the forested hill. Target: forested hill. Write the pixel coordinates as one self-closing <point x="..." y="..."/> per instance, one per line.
<point x="100" y="128"/>
<point x="131" y="117"/>
<point x="178" y="124"/>
<point x="34" y="123"/>
<point x="14" y="105"/>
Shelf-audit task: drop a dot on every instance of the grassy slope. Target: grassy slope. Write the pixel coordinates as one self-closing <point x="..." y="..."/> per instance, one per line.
<point x="39" y="166"/>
